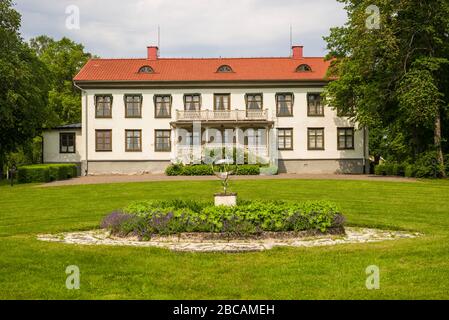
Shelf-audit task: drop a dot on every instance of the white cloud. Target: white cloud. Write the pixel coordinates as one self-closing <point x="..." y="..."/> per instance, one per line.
<point x="200" y="28"/>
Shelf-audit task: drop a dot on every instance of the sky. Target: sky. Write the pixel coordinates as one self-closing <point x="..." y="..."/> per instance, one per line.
<point x="188" y="28"/>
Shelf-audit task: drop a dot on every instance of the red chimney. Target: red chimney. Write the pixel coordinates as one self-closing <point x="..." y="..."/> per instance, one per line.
<point x="153" y="53"/>
<point x="297" y="52"/>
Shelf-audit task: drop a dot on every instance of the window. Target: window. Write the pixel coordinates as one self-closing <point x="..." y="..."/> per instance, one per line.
<point x="222" y="101"/>
<point x="103" y="140"/>
<point x="67" y="142"/>
<point x="315" y="138"/>
<point x="225" y="68"/>
<point x="192" y="102"/>
<point x="133" y="140"/>
<point x="285" y="139"/>
<point x="254" y="138"/>
<point x="253" y="101"/>
<point x="162" y="106"/>
<point x="146" y="69"/>
<point x="162" y="141"/>
<point x="284" y="104"/>
<point x="345" y="138"/>
<point x="133" y="106"/>
<point x="314" y="105"/>
<point x="303" y="68"/>
<point x="185" y="138"/>
<point x="103" y="106"/>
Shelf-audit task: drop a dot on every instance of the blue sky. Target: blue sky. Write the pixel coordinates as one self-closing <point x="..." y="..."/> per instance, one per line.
<point x="189" y="28"/>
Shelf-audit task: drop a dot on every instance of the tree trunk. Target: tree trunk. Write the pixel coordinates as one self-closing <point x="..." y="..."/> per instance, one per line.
<point x="438" y="147"/>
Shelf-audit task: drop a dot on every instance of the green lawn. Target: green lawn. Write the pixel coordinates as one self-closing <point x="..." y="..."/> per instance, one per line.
<point x="410" y="268"/>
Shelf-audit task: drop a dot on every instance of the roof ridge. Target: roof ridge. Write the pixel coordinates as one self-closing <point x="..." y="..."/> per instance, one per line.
<point x="207" y="58"/>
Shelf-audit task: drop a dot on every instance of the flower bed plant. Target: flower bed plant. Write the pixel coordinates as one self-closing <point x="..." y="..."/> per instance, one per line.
<point x="147" y="218"/>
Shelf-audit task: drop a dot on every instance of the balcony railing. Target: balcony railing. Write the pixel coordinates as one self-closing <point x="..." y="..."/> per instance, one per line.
<point x="222" y="115"/>
<point x="189" y="154"/>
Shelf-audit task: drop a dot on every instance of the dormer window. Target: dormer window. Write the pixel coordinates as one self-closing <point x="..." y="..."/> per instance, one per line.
<point x="224" y="69"/>
<point x="303" y="68"/>
<point x="146" y="69"/>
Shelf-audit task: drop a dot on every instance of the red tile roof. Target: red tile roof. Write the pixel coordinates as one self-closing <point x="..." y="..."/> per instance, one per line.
<point x="186" y="69"/>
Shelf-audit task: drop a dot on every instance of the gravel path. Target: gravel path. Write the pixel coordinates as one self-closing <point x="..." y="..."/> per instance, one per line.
<point x="102" y="237"/>
<point x="101" y="179"/>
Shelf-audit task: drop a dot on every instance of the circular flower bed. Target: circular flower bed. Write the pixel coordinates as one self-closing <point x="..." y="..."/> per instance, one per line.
<point x="145" y="219"/>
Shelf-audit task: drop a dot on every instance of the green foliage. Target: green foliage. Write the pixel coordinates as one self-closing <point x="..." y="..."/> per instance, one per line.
<point x="23" y="86"/>
<point x="380" y="170"/>
<point x="246" y="170"/>
<point x="63" y="58"/>
<point x="393" y="79"/>
<point x="174" y="170"/>
<point x="46" y="172"/>
<point x="28" y="174"/>
<point x="248" y="217"/>
<point x="419" y="97"/>
<point x="426" y="166"/>
<point x="197" y="170"/>
<point x="206" y="170"/>
<point x="390" y="169"/>
<point x="410" y="171"/>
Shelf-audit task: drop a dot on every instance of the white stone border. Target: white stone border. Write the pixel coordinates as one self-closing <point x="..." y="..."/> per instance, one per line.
<point x="103" y="237"/>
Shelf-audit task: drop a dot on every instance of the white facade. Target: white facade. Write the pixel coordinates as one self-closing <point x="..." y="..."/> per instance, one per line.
<point x="298" y="160"/>
<point x="52" y="151"/>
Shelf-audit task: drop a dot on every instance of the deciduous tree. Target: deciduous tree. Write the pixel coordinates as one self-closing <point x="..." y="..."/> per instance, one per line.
<point x="394" y="77"/>
<point x="23" y="86"/>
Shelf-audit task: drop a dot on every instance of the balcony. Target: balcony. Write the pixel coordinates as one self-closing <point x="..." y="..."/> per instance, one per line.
<point x="222" y="115"/>
<point x="188" y="154"/>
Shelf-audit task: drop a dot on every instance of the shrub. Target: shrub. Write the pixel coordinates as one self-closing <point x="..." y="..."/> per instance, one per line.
<point x="390" y="169"/>
<point x="380" y="170"/>
<point x="27" y="174"/>
<point x="46" y="172"/>
<point x="174" y="170"/>
<point x="248" y="217"/>
<point x="409" y="171"/>
<point x="247" y="170"/>
<point x="426" y="165"/>
<point x="197" y="170"/>
<point x="206" y="170"/>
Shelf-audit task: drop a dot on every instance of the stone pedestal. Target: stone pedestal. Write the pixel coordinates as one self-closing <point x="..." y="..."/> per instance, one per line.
<point x="229" y="199"/>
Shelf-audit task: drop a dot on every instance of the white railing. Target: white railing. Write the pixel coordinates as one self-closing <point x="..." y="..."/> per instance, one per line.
<point x="222" y="115"/>
<point x="187" y="154"/>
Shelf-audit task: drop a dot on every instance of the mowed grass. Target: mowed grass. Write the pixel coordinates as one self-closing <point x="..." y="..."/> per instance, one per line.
<point x="409" y="268"/>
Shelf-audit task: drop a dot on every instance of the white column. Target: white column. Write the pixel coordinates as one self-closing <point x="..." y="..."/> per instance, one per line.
<point x="174" y="146"/>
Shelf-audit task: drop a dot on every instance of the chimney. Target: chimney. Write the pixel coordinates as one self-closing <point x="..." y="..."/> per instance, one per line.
<point x="297" y="52"/>
<point x="153" y="53"/>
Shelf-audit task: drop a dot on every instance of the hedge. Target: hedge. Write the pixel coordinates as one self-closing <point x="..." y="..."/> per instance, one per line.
<point x="206" y="170"/>
<point x="425" y="166"/>
<point x="147" y="218"/>
<point x="46" y="172"/>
